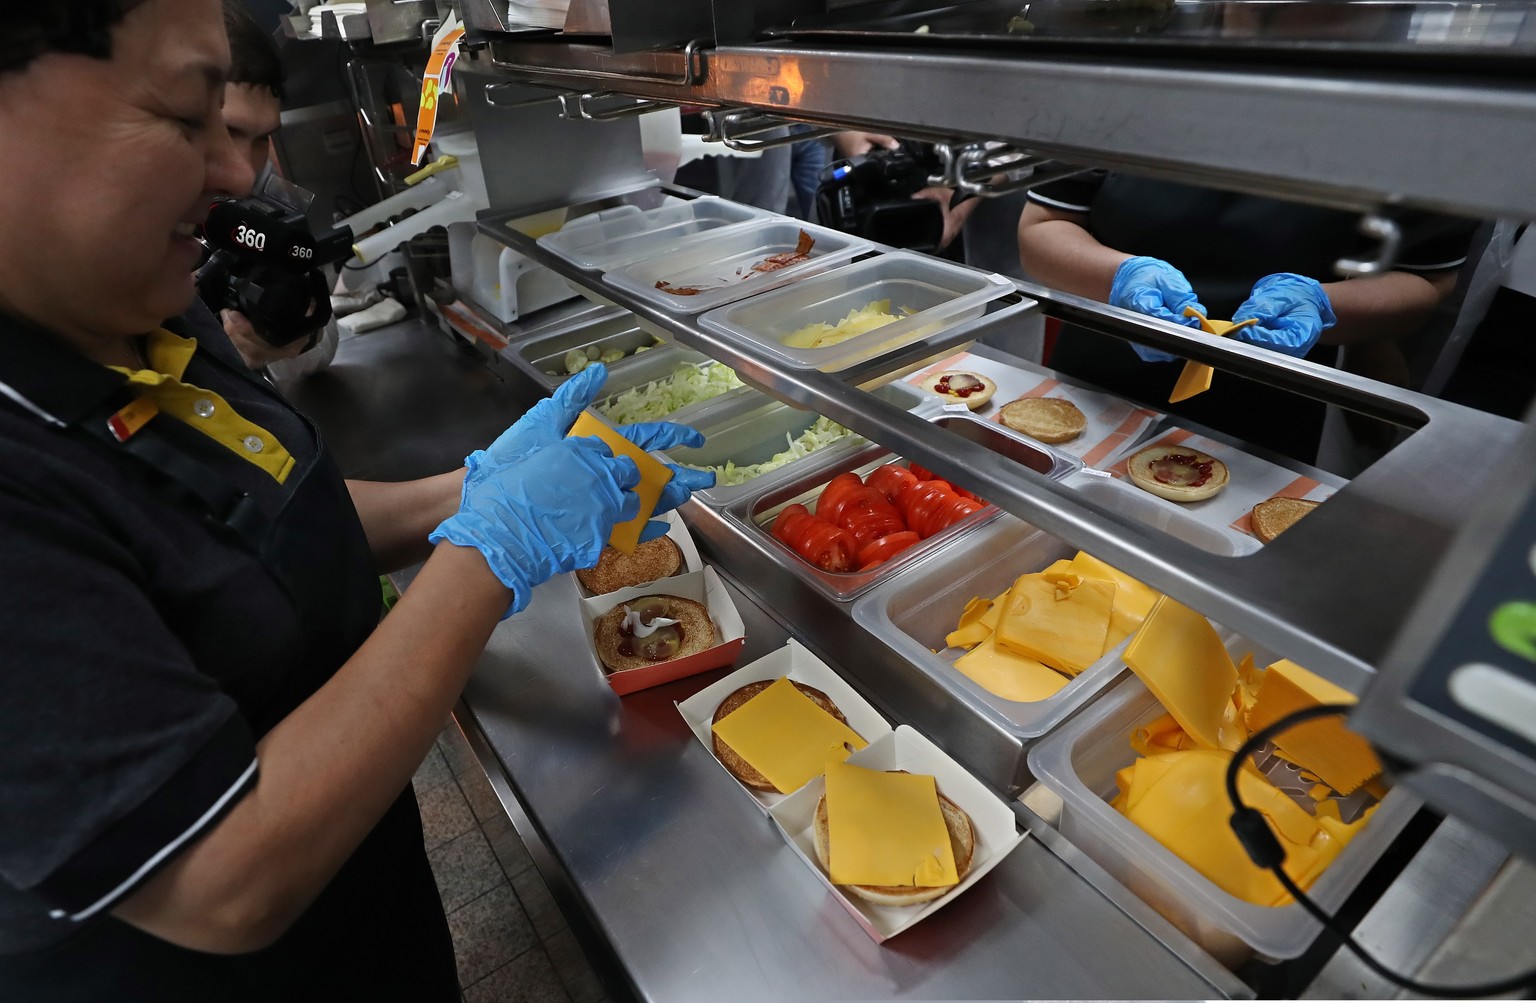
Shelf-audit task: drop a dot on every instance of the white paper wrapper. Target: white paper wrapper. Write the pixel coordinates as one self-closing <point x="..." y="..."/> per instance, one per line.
<point x="996" y="827"/>
<point x="678" y="531"/>
<point x="1253" y="479"/>
<point x="700" y="586"/>
<point x="1112" y="422"/>
<point x="799" y="665"/>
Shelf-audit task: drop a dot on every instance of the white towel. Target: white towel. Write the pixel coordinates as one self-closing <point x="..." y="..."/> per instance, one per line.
<point x="383" y="313"/>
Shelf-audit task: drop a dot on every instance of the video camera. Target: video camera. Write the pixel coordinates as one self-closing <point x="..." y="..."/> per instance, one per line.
<point x="871" y="195"/>
<point x="266" y="263"/>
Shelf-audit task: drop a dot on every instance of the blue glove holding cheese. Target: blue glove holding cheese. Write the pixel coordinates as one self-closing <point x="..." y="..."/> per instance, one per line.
<point x="1155" y="288"/>
<point x="550" y="419"/>
<point x="1292" y="313"/>
<point x="547" y="512"/>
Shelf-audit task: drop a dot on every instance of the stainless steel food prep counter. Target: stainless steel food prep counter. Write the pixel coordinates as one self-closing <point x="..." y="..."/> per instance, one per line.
<point x="678" y="884"/>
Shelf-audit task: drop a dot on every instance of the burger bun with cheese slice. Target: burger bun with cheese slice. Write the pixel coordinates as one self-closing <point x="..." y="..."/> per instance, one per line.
<point x="962" y="841"/>
<point x="957" y="387"/>
<point x="740" y="768"/>
<point x="1177" y="473"/>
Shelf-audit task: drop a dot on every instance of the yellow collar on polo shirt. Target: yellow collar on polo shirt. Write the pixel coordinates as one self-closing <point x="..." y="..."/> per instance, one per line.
<point x="202" y="409"/>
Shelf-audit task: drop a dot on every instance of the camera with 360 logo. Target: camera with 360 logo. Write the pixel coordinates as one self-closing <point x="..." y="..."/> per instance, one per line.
<point x="266" y="263"/>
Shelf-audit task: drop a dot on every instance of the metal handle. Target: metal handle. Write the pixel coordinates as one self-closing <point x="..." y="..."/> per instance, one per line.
<point x="1384" y="229"/>
<point x="987" y="170"/>
<point x="742" y="129"/>
<point x="580" y="109"/>
<point x="492" y="90"/>
<point x="693" y="54"/>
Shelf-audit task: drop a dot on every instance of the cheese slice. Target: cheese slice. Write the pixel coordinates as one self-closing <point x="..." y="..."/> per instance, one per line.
<point x="785" y="736"/>
<point x="654" y="476"/>
<point x="1339" y="757"/>
<point x="1179" y="799"/>
<point x="1133" y="600"/>
<point x="886" y="829"/>
<point x="1183" y="662"/>
<point x="1060" y="619"/>
<point x="970" y="631"/>
<point x="1195" y="377"/>
<point x="1162" y="734"/>
<point x="1011" y="676"/>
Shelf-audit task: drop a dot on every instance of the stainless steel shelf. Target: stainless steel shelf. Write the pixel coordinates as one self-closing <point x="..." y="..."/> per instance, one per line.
<point x="1331" y="594"/>
<point x="1351" y="138"/>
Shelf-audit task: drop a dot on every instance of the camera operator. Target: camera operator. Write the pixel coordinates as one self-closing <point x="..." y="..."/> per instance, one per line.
<point x="253" y="97"/>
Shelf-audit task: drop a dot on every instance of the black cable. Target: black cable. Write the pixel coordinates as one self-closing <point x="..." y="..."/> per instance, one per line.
<point x="1265" y="850"/>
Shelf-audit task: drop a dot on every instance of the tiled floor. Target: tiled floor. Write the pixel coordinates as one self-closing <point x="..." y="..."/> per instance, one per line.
<point x="511" y="940"/>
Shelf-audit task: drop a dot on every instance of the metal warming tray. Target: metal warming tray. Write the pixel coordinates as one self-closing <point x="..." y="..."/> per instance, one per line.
<point x="757" y="513"/>
<point x="543" y="357"/>
<point x="912" y="614"/>
<point x="750" y="429"/>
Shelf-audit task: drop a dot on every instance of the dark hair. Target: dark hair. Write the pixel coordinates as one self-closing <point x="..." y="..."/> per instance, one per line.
<point x="83" y="27"/>
<point x="254" y="57"/>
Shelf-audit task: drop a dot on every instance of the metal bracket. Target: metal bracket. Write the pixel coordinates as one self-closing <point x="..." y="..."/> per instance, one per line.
<point x="1384" y="229"/>
<point x="987" y="170"/>
<point x="491" y="90"/>
<point x="748" y="131"/>
<point x="578" y="107"/>
<point x="693" y="56"/>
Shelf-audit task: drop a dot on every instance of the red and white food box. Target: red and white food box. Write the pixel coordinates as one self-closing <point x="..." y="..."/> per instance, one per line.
<point x="799" y="665"/>
<point x="997" y="831"/>
<point x="702" y="587"/>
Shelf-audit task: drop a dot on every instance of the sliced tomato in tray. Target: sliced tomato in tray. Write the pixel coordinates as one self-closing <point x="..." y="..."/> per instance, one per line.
<point x="891" y="480"/>
<point x="886" y="547"/>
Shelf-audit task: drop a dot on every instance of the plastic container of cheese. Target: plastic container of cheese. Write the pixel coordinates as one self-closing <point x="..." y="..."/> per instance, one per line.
<point x="1079" y="763"/>
<point x="912" y="614"/>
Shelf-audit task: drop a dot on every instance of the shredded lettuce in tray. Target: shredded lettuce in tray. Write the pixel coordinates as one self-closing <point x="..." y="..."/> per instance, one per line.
<point x="653" y="401"/>
<point x="823" y="432"/>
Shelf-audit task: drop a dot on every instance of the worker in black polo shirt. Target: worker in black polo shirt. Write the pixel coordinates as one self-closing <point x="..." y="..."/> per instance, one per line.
<point x="1156" y="247"/>
<point x="209" y="735"/>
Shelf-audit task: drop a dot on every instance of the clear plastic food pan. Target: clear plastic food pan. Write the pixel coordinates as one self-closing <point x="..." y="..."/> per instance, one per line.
<point x="1079" y="763"/>
<point x="612" y="238"/>
<point x="716" y="268"/>
<point x="912" y="614"/>
<point x="926" y="295"/>
<point x="545" y="356"/>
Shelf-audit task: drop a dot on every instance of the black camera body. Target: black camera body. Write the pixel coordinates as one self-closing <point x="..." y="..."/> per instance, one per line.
<point x="871" y="196"/>
<point x="266" y="264"/>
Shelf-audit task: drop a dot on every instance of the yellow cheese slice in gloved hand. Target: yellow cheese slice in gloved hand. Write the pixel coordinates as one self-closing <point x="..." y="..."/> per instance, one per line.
<point x="785" y="736"/>
<point x="1196" y="376"/>
<point x="1178" y="654"/>
<point x="654" y="476"/>
<point x="886" y="829"/>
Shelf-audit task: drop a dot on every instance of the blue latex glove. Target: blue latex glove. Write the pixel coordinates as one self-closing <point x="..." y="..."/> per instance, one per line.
<point x="543" y="425"/>
<point x="1153" y="287"/>
<point x="651" y="435"/>
<point x="548" y="421"/>
<point x="1293" y="312"/>
<point x="545" y="513"/>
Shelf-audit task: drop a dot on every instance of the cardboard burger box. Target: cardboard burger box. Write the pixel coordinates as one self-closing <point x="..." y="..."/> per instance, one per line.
<point x="702" y="587"/>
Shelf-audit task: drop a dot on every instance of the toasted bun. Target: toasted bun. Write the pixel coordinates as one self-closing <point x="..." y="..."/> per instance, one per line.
<point x="974" y="400"/>
<point x="1271" y="518"/>
<point x="740" y="768"/>
<point x="962" y="842"/>
<point x="1140" y="467"/>
<point x="698" y="632"/>
<point x="653" y="560"/>
<point x="1048" y="419"/>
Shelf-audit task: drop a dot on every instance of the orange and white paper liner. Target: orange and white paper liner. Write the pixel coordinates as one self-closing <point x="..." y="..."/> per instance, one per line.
<point x="1253" y="480"/>
<point x="1113" y="423"/>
